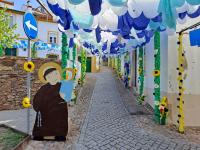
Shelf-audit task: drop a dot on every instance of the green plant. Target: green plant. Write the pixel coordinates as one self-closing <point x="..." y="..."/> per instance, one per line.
<point x="7" y="35"/>
<point x="10" y="139"/>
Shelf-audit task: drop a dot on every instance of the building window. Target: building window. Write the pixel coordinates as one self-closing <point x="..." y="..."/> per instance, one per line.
<point x="52" y="37"/>
<point x="11" y="52"/>
<point x="11" y="21"/>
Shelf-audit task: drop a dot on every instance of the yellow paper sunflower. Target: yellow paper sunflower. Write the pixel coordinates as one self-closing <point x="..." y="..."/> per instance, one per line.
<point x="26" y="102"/>
<point x="75" y="70"/>
<point x="140" y="71"/>
<point x="156" y="73"/>
<point x="29" y="66"/>
<point x="129" y="77"/>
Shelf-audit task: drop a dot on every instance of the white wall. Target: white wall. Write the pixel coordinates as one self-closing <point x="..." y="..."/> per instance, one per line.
<point x="192" y="55"/>
<point x="6" y="5"/>
<point x="43" y="29"/>
<point x="44" y="53"/>
<point x="21" y="52"/>
<point x="18" y="19"/>
<point x="164" y="62"/>
<point x="148" y="69"/>
<point x="191" y="83"/>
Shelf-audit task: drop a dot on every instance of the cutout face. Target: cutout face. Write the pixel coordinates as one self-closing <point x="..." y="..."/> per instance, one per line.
<point x="53" y="77"/>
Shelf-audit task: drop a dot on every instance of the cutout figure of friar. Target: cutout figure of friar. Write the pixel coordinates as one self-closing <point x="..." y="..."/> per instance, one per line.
<point x="50" y="105"/>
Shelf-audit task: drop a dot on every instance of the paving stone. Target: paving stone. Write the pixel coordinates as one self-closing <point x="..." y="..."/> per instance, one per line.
<point x="110" y="125"/>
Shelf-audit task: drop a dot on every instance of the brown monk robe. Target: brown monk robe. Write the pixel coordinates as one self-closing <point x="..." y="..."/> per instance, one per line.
<point x="52" y="112"/>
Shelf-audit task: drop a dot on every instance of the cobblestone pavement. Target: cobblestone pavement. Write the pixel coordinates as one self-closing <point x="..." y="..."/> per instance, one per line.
<point x="144" y="118"/>
<point x="108" y="125"/>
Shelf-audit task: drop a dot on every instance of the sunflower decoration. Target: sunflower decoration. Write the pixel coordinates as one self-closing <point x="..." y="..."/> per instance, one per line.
<point x="129" y="78"/>
<point x="140" y="71"/>
<point x="120" y="75"/>
<point x="156" y="73"/>
<point x="163" y="107"/>
<point x="26" y="102"/>
<point x="79" y="81"/>
<point x="75" y="70"/>
<point x="29" y="66"/>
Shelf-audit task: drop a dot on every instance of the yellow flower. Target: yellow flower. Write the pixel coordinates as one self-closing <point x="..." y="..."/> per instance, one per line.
<point x="26" y="102"/>
<point x="79" y="81"/>
<point x="29" y="66"/>
<point x="156" y="73"/>
<point x="129" y="77"/>
<point x="75" y="70"/>
<point x="164" y="102"/>
<point x="140" y="71"/>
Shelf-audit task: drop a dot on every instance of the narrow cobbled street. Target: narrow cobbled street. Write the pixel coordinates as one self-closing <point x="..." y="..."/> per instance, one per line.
<point x="108" y="125"/>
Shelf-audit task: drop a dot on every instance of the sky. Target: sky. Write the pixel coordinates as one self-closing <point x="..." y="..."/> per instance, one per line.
<point x="19" y="3"/>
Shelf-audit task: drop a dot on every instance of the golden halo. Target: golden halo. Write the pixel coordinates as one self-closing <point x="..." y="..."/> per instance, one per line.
<point x="70" y="70"/>
<point x="46" y="66"/>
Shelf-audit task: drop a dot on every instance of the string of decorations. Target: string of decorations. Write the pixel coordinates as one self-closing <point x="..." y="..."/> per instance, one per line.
<point x="138" y="15"/>
<point x="141" y="75"/>
<point x="156" y="74"/>
<point x="180" y="84"/>
<point x="64" y="54"/>
<point x="83" y="65"/>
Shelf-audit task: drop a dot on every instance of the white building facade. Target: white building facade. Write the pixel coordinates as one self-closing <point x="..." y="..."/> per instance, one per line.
<point x="48" y="41"/>
<point x="169" y="75"/>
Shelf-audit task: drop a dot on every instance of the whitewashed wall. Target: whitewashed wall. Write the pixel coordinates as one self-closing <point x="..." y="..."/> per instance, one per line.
<point x="6" y="5"/>
<point x="18" y="19"/>
<point x="43" y="29"/>
<point x="169" y="84"/>
<point x="191" y="83"/>
<point x="193" y="59"/>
